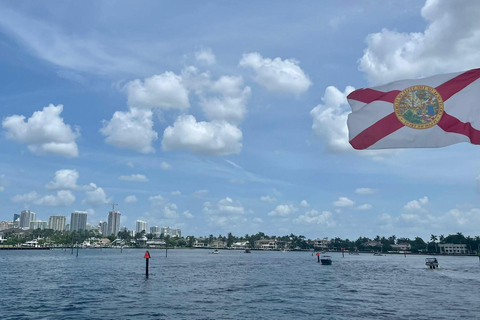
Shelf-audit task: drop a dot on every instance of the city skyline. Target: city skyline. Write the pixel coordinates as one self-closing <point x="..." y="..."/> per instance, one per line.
<point x="228" y="117"/>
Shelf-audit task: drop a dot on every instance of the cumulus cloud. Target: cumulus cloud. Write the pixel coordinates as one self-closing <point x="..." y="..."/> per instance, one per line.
<point x="283" y="210"/>
<point x="364" y="207"/>
<point x="156" y="200"/>
<point x="44" y="132"/>
<point x="227" y="212"/>
<point x="164" y="91"/>
<point x="170" y="211"/>
<point x="25" y="198"/>
<point x="176" y="193"/>
<point x="229" y="100"/>
<point x="187" y="214"/>
<point x="64" y="179"/>
<point x="206" y="56"/>
<point x="268" y="199"/>
<point x="63" y="198"/>
<point x="365" y="191"/>
<point x="416" y="204"/>
<point x="330" y="119"/>
<point x="131" y="130"/>
<point x="205" y="138"/>
<point x="314" y="217"/>
<point x="452" y="31"/>
<point x="134" y="177"/>
<point x="95" y="196"/>
<point x="343" y="202"/>
<point x="330" y="123"/>
<point x="304" y="203"/>
<point x="130" y="199"/>
<point x="277" y="75"/>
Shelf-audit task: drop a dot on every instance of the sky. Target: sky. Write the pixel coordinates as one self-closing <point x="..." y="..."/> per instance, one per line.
<point x="217" y="117"/>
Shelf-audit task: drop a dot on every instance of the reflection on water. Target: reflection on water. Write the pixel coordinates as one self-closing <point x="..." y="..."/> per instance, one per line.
<point x="195" y="284"/>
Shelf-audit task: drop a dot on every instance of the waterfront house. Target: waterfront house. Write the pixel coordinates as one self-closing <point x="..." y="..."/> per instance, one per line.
<point x="404" y="246"/>
<point x="452" y="248"/>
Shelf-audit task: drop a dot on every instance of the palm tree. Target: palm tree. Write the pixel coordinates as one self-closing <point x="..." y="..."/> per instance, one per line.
<point x="434" y="239"/>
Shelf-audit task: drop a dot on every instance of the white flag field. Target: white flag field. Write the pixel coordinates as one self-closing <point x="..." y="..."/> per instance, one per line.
<point x="423" y="113"/>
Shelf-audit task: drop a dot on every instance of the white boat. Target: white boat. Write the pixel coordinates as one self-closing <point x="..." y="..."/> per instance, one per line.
<point x="216" y="251"/>
<point x="431" y="263"/>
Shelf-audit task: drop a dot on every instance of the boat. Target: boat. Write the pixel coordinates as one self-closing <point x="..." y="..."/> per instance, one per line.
<point x="215" y="252"/>
<point x="431" y="263"/>
<point x="247" y="250"/>
<point x="326" y="260"/>
<point x="378" y="254"/>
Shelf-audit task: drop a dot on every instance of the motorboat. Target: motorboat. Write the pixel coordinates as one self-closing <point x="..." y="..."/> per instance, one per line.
<point x="215" y="252"/>
<point x="326" y="260"/>
<point x="378" y="254"/>
<point x="247" y="250"/>
<point x="431" y="263"/>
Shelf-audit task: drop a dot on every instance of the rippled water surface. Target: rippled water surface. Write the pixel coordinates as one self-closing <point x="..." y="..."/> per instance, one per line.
<point x="195" y="284"/>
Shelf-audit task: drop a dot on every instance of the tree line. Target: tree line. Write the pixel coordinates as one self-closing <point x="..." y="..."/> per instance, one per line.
<point x="295" y="242"/>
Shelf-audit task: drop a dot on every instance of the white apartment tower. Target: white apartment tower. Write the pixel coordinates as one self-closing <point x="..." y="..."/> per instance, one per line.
<point x="141" y="226"/>
<point x="26" y="216"/>
<point x="113" y="223"/>
<point x="57" y="223"/>
<point x="78" y="221"/>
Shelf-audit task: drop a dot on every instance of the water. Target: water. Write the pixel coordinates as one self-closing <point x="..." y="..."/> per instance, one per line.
<point x="195" y="284"/>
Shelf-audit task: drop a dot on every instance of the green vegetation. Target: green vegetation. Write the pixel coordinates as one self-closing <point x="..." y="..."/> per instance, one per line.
<point x="49" y="237"/>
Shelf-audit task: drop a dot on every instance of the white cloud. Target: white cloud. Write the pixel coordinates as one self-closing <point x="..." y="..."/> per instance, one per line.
<point x="130" y="199"/>
<point x="231" y="105"/>
<point x="283" y="210"/>
<point x="416" y="204"/>
<point x="313" y="216"/>
<point x="95" y="197"/>
<point x="130" y="164"/>
<point x="156" y="200"/>
<point x="330" y="119"/>
<point x="205" y="138"/>
<point x="65" y="179"/>
<point x="206" y="56"/>
<point x="364" y="207"/>
<point x="187" y="214"/>
<point x="63" y="198"/>
<point x="304" y="203"/>
<point x="25" y="198"/>
<point x="226" y="213"/>
<point x="131" y="130"/>
<point x="277" y="75"/>
<point x="176" y="193"/>
<point x="44" y="132"/>
<point x="343" y="202"/>
<point x="365" y="191"/>
<point x="330" y="124"/>
<point x="257" y="220"/>
<point x="268" y="199"/>
<point x="134" y="177"/>
<point x="165" y="166"/>
<point x="164" y="91"/>
<point x="453" y="30"/>
<point x="170" y="211"/>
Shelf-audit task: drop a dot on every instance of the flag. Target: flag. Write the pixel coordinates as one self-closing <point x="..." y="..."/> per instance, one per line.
<point x="424" y="113"/>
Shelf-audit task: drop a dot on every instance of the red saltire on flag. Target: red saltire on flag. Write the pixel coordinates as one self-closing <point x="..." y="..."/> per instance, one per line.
<point x="424" y="113"/>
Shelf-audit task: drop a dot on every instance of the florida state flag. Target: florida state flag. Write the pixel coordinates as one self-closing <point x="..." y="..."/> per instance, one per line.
<point x="424" y="113"/>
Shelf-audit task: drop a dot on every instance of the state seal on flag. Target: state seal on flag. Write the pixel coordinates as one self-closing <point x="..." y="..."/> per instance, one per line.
<point x="419" y="107"/>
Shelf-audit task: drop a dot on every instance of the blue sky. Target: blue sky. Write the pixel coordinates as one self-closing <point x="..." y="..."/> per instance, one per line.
<point x="219" y="117"/>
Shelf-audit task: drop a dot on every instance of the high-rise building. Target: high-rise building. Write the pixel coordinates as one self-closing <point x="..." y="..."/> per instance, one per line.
<point x="38" y="224"/>
<point x="15" y="217"/>
<point x="155" y="231"/>
<point x="167" y="231"/>
<point x="26" y="216"/>
<point x="103" y="227"/>
<point x="78" y="221"/>
<point x="57" y="223"/>
<point x="113" y="223"/>
<point x="141" y="226"/>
